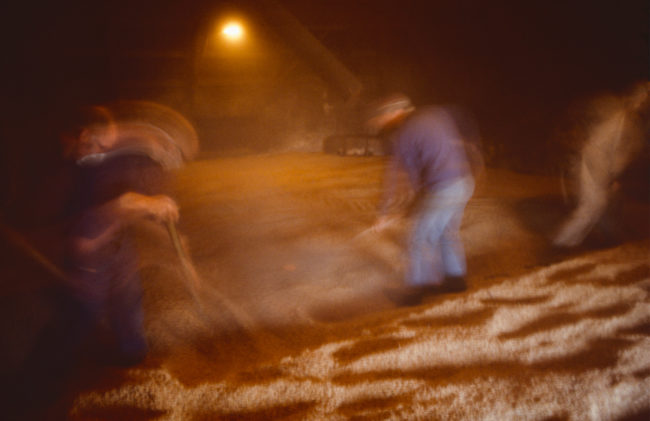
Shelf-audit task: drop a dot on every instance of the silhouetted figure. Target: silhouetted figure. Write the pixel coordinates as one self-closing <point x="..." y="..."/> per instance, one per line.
<point x="119" y="175"/>
<point x="612" y="143"/>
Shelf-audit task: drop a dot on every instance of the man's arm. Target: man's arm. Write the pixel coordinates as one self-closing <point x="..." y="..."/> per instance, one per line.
<point x="122" y="211"/>
<point x="391" y="182"/>
<point x="385" y="209"/>
<point x="160" y="207"/>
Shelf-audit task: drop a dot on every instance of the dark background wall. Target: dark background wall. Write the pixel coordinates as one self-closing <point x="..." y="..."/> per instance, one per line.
<point x="517" y="66"/>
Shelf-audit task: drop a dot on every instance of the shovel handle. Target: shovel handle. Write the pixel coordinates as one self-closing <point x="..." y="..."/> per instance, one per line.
<point x="194" y="281"/>
<point x="186" y="263"/>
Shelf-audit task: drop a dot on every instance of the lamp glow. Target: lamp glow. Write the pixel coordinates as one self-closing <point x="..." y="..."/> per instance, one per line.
<point x="233" y="31"/>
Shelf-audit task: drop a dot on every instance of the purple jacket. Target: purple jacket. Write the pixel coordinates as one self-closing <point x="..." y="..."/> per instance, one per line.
<point x="429" y="147"/>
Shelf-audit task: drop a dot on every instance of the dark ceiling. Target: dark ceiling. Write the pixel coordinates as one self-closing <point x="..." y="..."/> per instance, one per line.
<point x="517" y="65"/>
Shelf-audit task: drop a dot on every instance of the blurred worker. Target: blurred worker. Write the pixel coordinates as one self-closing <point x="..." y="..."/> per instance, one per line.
<point x="111" y="194"/>
<point x="118" y="180"/>
<point x="427" y="144"/>
<point x="612" y="142"/>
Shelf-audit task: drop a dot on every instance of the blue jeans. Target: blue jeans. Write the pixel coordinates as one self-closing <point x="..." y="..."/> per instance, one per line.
<point x="435" y="249"/>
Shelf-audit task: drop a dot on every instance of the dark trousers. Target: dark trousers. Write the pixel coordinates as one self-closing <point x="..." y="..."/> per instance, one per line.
<point x="65" y="343"/>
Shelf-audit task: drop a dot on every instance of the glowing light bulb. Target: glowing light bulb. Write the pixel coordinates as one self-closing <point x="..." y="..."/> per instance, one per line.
<point x="233" y="31"/>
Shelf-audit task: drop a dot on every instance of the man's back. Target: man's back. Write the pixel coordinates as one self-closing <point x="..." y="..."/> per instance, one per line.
<point x="429" y="146"/>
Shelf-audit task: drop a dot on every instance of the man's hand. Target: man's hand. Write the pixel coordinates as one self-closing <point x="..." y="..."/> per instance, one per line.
<point x="159" y="207"/>
<point x="383" y="222"/>
<point x="163" y="209"/>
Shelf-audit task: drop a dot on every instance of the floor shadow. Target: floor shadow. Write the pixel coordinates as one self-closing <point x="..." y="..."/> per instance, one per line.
<point x="625" y="219"/>
<point x="541" y="214"/>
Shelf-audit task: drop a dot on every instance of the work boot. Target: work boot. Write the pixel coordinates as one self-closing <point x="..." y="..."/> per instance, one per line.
<point x="404" y="296"/>
<point x="412" y="295"/>
<point x="453" y="284"/>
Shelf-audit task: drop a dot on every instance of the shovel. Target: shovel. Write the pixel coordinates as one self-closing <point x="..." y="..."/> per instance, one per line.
<point x="198" y="291"/>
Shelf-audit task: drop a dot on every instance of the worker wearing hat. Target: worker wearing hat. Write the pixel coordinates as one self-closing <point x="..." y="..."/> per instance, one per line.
<point x="428" y="146"/>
